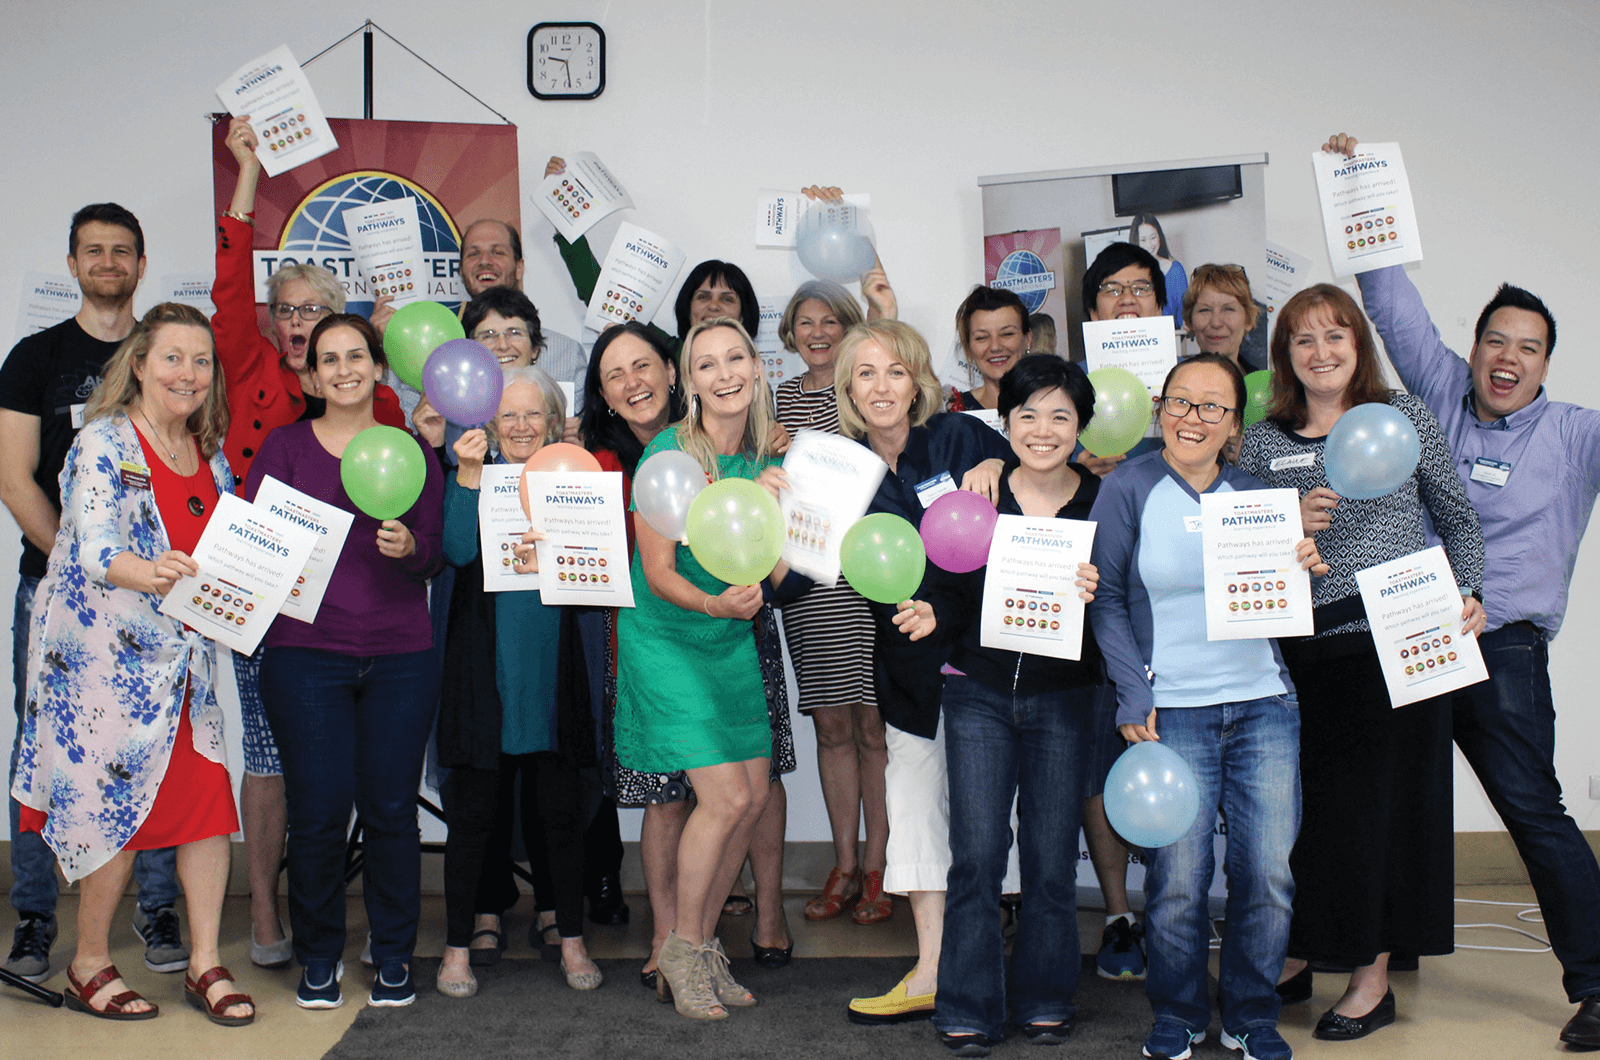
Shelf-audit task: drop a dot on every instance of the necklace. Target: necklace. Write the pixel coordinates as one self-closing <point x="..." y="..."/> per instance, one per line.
<point x="177" y="465"/>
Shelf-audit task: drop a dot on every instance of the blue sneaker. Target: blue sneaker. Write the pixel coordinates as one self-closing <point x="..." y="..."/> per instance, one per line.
<point x="1168" y="1041"/>
<point x="319" y="985"/>
<point x="1263" y="1043"/>
<point x="1121" y="953"/>
<point x="392" y="988"/>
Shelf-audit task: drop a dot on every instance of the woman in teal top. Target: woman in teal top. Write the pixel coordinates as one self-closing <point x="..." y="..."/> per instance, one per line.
<point x="520" y="708"/>
<point x="689" y="690"/>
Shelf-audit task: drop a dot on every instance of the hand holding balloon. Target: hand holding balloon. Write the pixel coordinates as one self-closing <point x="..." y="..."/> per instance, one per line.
<point x="1140" y="733"/>
<point x="471" y="449"/>
<point x="736" y="601"/>
<point x="395" y="540"/>
<point x="1315" y="509"/>
<point x="428" y="424"/>
<point x="915" y="618"/>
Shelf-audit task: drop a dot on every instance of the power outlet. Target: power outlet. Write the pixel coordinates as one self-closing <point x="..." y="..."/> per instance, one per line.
<point x="1594" y="788"/>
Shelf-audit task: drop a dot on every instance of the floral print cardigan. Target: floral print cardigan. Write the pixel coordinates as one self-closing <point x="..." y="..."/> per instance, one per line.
<point x="107" y="671"/>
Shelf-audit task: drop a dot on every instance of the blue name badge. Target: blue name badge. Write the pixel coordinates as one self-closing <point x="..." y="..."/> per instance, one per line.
<point x="1493" y="472"/>
<point x="931" y="489"/>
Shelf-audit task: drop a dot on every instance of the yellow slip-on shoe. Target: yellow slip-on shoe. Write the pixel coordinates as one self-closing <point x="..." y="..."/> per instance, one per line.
<point x="894" y="1007"/>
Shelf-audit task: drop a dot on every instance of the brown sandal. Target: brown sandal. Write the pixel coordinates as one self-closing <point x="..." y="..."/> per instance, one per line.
<point x="195" y="991"/>
<point x="874" y="907"/>
<point x="78" y="995"/>
<point x="836" y="893"/>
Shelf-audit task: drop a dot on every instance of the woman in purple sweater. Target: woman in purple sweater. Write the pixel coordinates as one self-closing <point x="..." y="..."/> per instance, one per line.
<point x="351" y="695"/>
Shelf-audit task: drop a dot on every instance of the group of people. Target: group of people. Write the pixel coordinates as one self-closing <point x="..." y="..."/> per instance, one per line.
<point x="120" y="436"/>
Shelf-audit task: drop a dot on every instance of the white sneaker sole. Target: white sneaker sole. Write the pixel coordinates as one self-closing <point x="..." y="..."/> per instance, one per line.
<point x="319" y="1003"/>
<point x="1230" y="1042"/>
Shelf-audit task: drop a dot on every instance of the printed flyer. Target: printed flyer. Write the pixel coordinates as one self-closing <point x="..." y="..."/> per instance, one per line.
<point x="635" y="279"/>
<point x="501" y="524"/>
<point x="1286" y="273"/>
<point x="583" y="558"/>
<point x="580" y="196"/>
<point x="1254" y="585"/>
<point x="386" y="238"/>
<point x="1367" y="212"/>
<point x="1146" y="346"/>
<point x="189" y="288"/>
<point x="778" y="215"/>
<point x="47" y="299"/>
<point x="1030" y="591"/>
<point x="284" y="113"/>
<point x="832" y="480"/>
<point x="249" y="560"/>
<point x="331" y="525"/>
<point x="1414" y="608"/>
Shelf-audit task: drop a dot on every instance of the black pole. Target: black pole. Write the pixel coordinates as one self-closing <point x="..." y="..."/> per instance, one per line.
<point x="366" y="47"/>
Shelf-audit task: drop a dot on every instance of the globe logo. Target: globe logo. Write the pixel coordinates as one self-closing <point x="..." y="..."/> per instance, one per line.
<point x="315" y="232"/>
<point x="1024" y="274"/>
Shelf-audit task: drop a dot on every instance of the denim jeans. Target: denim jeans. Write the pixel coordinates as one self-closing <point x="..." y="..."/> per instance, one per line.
<point x="1246" y="762"/>
<point x="1034" y="748"/>
<point x="351" y="731"/>
<point x="1506" y="728"/>
<point x="34" y="887"/>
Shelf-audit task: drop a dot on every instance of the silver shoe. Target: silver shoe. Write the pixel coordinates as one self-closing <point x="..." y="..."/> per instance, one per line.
<point x="583" y="980"/>
<point x="273" y="954"/>
<point x="455" y="989"/>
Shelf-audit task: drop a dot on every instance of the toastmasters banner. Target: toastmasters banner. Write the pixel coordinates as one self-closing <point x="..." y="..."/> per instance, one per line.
<point x="457" y="173"/>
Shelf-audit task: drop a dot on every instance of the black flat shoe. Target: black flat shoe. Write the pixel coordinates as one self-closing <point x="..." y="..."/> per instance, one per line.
<point x="606" y="902"/>
<point x="966" y="1044"/>
<point x="1583" y="1030"/>
<point x="1296" y="988"/>
<point x="482" y="958"/>
<point x="648" y="979"/>
<point x="771" y="956"/>
<point x="1047" y="1033"/>
<point x="1333" y="1027"/>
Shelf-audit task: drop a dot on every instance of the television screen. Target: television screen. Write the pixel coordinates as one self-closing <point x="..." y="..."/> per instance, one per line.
<point x="1164" y="190"/>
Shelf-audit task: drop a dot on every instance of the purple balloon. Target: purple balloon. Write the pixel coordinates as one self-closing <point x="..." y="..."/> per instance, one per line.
<point x="462" y="380"/>
<point x="957" y="529"/>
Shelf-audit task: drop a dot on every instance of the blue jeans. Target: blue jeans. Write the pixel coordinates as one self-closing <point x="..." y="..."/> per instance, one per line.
<point x="33" y="864"/>
<point x="999" y="746"/>
<point x="1506" y="728"/>
<point x="1246" y="761"/>
<point x="351" y="732"/>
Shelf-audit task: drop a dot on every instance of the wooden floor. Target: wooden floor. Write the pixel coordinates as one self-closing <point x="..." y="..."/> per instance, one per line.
<point x="1475" y="1004"/>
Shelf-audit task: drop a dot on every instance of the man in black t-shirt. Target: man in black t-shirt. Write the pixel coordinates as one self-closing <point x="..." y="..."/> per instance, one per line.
<point x="44" y="385"/>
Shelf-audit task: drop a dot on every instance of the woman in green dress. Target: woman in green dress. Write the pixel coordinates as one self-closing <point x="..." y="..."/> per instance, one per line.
<point x="689" y="689"/>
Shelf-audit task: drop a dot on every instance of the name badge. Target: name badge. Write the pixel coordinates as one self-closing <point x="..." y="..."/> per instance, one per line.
<point x="1298" y="460"/>
<point x="1191" y="523"/>
<point x="77" y="416"/>
<point x="1494" y="472"/>
<point x="135" y="476"/>
<point x="930" y="490"/>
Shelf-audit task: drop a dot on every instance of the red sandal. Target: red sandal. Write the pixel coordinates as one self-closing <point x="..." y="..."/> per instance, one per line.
<point x="840" y="888"/>
<point x="874" y="907"/>
<point x="78" y="995"/>
<point x="195" y="991"/>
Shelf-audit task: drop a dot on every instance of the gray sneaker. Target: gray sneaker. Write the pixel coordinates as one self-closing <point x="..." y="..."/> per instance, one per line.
<point x="164" y="950"/>
<point x="30" y="948"/>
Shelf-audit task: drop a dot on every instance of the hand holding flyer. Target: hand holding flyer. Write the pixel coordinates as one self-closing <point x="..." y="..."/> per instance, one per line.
<point x="1255" y="586"/>
<point x="1414" y="608"/>
<point x="1367" y="213"/>
<point x="832" y="480"/>
<point x="586" y="192"/>
<point x="1030" y="590"/>
<point x="284" y="113"/>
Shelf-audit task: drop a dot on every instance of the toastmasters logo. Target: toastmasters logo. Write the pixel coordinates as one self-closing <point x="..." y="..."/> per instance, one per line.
<point x="1024" y="273"/>
<point x="315" y="233"/>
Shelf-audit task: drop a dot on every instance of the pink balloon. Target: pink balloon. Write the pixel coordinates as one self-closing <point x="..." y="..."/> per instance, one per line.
<point x="558" y="456"/>
<point x="957" y="529"/>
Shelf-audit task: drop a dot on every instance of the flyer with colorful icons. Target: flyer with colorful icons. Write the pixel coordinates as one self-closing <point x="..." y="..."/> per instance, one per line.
<point x="47" y="299"/>
<point x="581" y="195"/>
<point x="386" y="239"/>
<point x="501" y="524"/>
<point x="331" y="524"/>
<point x="248" y="559"/>
<point x="635" y="279"/>
<point x="583" y="558"/>
<point x="284" y="113"/>
<point x="1254" y="585"/>
<point x="1367" y="212"/>
<point x="1030" y="590"/>
<point x="1414" y="608"/>
<point x="832" y="480"/>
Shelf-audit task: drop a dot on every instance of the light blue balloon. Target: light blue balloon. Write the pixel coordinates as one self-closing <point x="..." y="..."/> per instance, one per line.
<point x="1371" y="451"/>
<point x="1151" y="796"/>
<point x="829" y="249"/>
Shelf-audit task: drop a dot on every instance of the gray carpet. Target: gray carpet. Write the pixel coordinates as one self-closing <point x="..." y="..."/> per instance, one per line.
<point x="525" y="1010"/>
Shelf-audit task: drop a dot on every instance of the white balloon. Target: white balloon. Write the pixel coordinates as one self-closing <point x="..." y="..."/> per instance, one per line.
<point x="664" y="487"/>
<point x="830" y="246"/>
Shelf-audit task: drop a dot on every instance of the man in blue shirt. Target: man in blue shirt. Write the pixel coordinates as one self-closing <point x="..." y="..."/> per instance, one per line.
<point x="1531" y="467"/>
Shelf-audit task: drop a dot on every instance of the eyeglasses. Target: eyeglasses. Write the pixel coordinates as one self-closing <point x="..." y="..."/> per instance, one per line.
<point x="283" y="311"/>
<point x="488" y="335"/>
<point x="1178" y="408"/>
<point x="1139" y="289"/>
<point x="509" y="418"/>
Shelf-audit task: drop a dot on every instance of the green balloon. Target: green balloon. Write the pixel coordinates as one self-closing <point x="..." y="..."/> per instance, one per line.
<point x="1121" y="412"/>
<point x="383" y="470"/>
<point x="882" y="558"/>
<point x="415" y="331"/>
<point x="1258" y="395"/>
<point x="735" y="531"/>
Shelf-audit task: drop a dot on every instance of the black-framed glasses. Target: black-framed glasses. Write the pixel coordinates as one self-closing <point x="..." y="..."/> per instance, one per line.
<point x="1138" y="288"/>
<point x="283" y="311"/>
<point x="1208" y="411"/>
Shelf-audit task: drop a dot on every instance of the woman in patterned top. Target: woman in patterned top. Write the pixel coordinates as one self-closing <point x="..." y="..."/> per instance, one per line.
<point x="1373" y="866"/>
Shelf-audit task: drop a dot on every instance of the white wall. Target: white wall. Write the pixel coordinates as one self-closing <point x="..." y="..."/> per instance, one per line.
<point x="908" y="101"/>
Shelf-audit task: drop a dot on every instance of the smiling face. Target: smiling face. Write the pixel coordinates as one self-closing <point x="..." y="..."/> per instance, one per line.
<point x="487" y="259"/>
<point x="1044" y="430"/>
<point x="722" y="372"/>
<point x="996" y="340"/>
<point x="345" y="372"/>
<point x="1323" y="354"/>
<point x="520" y="422"/>
<point x="1191" y="441"/>
<point x="713" y="299"/>
<point x="175" y="376"/>
<point x="292" y="334"/>
<point x="1510" y="362"/>
<point x="512" y="351"/>
<point x="1149" y="239"/>
<point x="1218" y="322"/>
<point x="635" y="381"/>
<point x="817" y="331"/>
<point x="1123" y="301"/>
<point x="882" y="388"/>
<point x="106" y="263"/>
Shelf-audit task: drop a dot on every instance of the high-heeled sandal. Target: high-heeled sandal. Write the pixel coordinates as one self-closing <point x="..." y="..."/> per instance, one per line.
<point x="836" y="893"/>
<point x="723" y="984"/>
<point x="683" y="980"/>
<point x="874" y="907"/>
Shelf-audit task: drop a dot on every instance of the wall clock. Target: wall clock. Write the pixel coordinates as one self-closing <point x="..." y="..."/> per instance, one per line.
<point x="566" y="60"/>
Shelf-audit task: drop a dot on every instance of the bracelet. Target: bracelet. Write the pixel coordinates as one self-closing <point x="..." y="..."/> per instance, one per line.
<point x="237" y="216"/>
<point x="706" y="606"/>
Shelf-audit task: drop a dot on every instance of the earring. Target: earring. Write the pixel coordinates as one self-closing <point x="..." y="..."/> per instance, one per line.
<point x="694" y="406"/>
<point x="611" y="411"/>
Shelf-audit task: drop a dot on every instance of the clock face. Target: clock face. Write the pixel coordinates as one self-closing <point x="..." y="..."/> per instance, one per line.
<point x="566" y="60"/>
